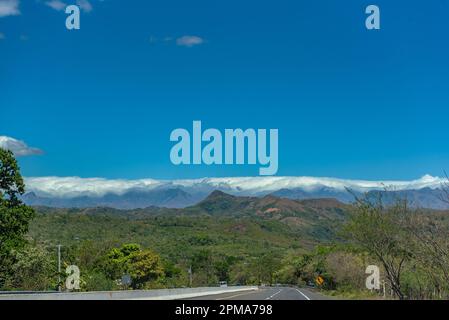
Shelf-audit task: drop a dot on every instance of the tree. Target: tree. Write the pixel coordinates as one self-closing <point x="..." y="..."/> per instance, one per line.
<point x="202" y="264"/>
<point x="222" y="267"/>
<point x="145" y="266"/>
<point x="142" y="265"/>
<point x="380" y="231"/>
<point x="430" y="243"/>
<point x="14" y="215"/>
<point x="346" y="269"/>
<point x="32" y="269"/>
<point x="293" y="269"/>
<point x="265" y="268"/>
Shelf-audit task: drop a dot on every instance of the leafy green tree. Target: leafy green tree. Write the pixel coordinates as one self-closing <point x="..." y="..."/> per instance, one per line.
<point x="96" y="281"/>
<point x="14" y="215"/>
<point x="145" y="266"/>
<point x="142" y="265"/>
<point x="203" y="268"/>
<point x="32" y="269"/>
<point x="266" y="268"/>
<point x="222" y="267"/>
<point x="294" y="269"/>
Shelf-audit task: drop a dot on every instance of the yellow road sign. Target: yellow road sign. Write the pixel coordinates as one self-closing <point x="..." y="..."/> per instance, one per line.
<point x="319" y="280"/>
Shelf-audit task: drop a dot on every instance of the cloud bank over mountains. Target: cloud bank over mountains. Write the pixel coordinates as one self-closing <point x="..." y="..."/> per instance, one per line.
<point x="129" y="194"/>
<point x="69" y="187"/>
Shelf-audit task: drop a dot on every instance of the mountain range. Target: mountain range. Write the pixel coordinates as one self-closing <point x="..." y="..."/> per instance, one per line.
<point x="77" y="192"/>
<point x="311" y="220"/>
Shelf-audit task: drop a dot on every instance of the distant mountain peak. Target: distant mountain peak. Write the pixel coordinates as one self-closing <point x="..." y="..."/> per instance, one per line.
<point x="219" y="194"/>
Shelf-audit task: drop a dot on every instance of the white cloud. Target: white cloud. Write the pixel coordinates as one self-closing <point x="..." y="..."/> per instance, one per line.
<point x="84" y="5"/>
<point x="69" y="187"/>
<point x="58" y="5"/>
<point x="19" y="148"/>
<point x="189" y="41"/>
<point x="9" y="8"/>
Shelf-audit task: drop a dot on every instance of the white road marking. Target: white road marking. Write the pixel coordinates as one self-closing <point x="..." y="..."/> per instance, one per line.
<point x="270" y="297"/>
<point x="303" y="294"/>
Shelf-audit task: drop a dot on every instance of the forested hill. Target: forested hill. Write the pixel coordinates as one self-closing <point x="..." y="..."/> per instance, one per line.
<point x="243" y="240"/>
<point x="219" y="222"/>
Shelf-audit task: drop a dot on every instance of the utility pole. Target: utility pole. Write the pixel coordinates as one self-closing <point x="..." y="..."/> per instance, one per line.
<point x="59" y="267"/>
<point x="190" y="275"/>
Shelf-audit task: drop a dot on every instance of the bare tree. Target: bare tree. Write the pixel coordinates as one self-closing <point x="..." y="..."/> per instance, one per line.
<point x="377" y="229"/>
<point x="429" y="237"/>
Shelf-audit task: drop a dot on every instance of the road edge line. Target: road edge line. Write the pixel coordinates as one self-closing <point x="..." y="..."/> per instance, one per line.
<point x="303" y="294"/>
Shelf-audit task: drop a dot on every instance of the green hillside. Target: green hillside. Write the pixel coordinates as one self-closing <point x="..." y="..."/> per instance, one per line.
<point x="226" y="224"/>
<point x="243" y="240"/>
<point x="223" y="237"/>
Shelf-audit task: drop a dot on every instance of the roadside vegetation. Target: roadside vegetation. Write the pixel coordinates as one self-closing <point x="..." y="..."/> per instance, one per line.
<point x="204" y="248"/>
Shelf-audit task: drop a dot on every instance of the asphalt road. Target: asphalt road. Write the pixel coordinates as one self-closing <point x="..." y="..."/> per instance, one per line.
<point x="263" y="293"/>
<point x="267" y="293"/>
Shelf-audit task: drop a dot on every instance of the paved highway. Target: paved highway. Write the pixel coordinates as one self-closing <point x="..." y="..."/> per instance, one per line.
<point x="229" y="293"/>
<point x="267" y="293"/>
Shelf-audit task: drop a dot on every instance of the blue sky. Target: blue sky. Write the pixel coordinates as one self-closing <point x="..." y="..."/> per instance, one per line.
<point x="348" y="102"/>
